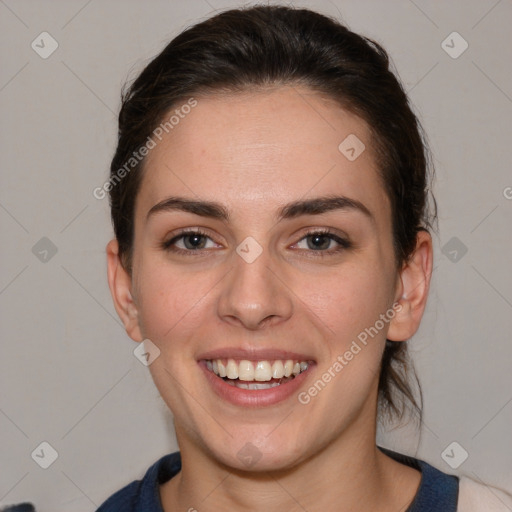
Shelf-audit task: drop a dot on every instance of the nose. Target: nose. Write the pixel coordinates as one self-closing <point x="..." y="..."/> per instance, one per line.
<point x="255" y="294"/>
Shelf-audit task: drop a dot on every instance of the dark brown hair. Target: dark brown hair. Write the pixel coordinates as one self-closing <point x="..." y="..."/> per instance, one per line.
<point x="267" y="46"/>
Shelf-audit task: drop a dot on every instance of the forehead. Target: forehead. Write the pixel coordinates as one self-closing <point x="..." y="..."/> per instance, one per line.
<point x="263" y="149"/>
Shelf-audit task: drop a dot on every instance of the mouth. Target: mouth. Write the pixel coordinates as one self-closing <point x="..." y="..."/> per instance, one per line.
<point x="258" y="382"/>
<point x="256" y="375"/>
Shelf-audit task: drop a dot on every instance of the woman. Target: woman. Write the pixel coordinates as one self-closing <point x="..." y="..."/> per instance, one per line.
<point x="269" y="197"/>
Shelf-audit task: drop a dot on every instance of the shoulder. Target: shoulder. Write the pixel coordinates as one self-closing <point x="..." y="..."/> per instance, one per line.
<point x="437" y="490"/>
<point x="142" y="495"/>
<point x="122" y="499"/>
<point x="478" y="497"/>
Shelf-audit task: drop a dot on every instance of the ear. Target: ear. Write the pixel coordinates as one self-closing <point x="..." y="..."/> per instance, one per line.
<point x="120" y="283"/>
<point x="412" y="290"/>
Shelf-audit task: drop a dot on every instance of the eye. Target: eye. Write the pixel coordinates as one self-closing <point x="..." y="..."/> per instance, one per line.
<point x="189" y="241"/>
<point x="323" y="241"/>
<point x="194" y="241"/>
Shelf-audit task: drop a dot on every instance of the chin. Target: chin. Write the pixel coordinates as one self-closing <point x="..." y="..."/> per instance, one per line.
<point x="258" y="453"/>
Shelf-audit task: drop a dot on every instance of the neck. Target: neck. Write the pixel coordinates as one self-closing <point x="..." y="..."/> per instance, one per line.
<point x="348" y="474"/>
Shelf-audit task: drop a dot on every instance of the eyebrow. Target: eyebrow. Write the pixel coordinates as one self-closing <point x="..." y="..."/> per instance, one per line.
<point x="214" y="210"/>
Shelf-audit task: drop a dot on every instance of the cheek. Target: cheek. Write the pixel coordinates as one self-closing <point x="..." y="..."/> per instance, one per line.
<point x="349" y="304"/>
<point x="349" y="300"/>
<point x="170" y="303"/>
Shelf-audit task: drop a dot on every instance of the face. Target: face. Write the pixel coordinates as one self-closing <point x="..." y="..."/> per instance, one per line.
<point x="261" y="250"/>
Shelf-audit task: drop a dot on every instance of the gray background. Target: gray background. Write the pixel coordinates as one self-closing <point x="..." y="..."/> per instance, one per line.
<point x="68" y="375"/>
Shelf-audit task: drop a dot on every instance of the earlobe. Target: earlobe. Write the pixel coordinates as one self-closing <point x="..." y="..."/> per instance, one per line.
<point x="120" y="284"/>
<point x="412" y="290"/>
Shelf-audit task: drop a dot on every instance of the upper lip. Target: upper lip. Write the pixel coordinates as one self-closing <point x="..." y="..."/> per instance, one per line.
<point x="253" y="354"/>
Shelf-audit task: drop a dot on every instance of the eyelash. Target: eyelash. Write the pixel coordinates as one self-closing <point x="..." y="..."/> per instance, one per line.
<point x="168" y="245"/>
<point x="343" y="244"/>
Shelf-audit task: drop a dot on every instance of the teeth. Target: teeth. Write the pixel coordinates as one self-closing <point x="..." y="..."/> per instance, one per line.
<point x="232" y="369"/>
<point x="221" y="368"/>
<point x="256" y="385"/>
<point x="278" y="370"/>
<point x="261" y="371"/>
<point x="288" y="368"/>
<point x="245" y="370"/>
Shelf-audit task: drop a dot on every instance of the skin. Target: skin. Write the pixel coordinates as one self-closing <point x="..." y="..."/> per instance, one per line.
<point x="254" y="153"/>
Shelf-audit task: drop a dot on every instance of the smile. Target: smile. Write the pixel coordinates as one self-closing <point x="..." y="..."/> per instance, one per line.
<point x="255" y="375"/>
<point x="260" y="382"/>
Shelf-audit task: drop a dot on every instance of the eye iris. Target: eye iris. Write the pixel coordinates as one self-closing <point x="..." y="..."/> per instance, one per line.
<point x="317" y="238"/>
<point x="198" y="241"/>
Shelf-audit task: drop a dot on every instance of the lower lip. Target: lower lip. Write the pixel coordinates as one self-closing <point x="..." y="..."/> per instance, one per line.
<point x="254" y="397"/>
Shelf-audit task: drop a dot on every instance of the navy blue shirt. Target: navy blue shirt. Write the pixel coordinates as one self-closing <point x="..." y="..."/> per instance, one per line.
<point x="438" y="492"/>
